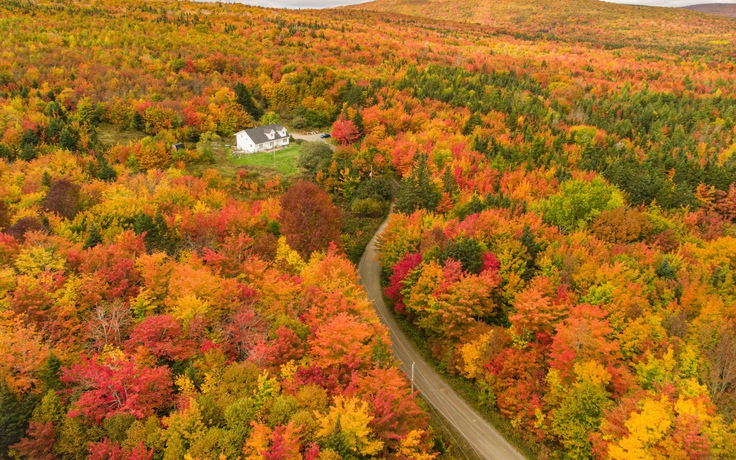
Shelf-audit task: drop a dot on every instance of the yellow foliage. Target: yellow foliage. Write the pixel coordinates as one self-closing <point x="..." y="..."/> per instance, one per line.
<point x="592" y="372"/>
<point x="38" y="259"/>
<point x="257" y="442"/>
<point x="185" y="386"/>
<point x="353" y="418"/>
<point x="187" y="307"/>
<point x="646" y="428"/>
<point x="7" y="281"/>
<point x="288" y="370"/>
<point x="183" y="427"/>
<point x="473" y="354"/>
<point x="23" y="351"/>
<point x="408" y="447"/>
<point x="288" y="255"/>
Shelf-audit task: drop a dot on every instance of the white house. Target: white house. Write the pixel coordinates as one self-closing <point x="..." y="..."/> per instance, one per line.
<point x="262" y="138"/>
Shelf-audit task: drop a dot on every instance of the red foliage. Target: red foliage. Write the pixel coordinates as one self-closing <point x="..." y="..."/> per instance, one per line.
<point x="518" y="379"/>
<point x="585" y="334"/>
<point x="34" y="296"/>
<point x="113" y="385"/>
<point x="243" y="331"/>
<point x="308" y="218"/>
<point x="285" y="347"/>
<point x="38" y="443"/>
<point x="112" y="269"/>
<point x="285" y="444"/>
<point x="108" y="450"/>
<point x="163" y="337"/>
<point x="344" y="131"/>
<point x="312" y="452"/>
<point x="490" y="262"/>
<point x="400" y="271"/>
<point x="8" y="248"/>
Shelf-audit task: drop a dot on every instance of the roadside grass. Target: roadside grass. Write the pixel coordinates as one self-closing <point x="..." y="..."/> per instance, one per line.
<point x="467" y="390"/>
<point x="447" y="441"/>
<point x="285" y="159"/>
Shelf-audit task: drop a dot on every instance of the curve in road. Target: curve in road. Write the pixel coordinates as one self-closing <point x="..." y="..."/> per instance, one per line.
<point x="484" y="439"/>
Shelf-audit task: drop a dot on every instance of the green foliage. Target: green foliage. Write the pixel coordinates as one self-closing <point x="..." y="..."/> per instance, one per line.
<point x="418" y="190"/>
<point x="270" y="118"/>
<point x="369" y="207"/>
<point x="314" y="157"/>
<point x="15" y="412"/>
<point x="467" y="251"/>
<point x="245" y="99"/>
<point x="578" y="202"/>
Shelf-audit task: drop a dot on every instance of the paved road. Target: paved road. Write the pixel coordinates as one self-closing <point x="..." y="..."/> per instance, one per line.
<point x="485" y="440"/>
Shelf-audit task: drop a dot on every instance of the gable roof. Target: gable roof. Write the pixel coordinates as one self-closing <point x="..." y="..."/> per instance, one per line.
<point x="258" y="134"/>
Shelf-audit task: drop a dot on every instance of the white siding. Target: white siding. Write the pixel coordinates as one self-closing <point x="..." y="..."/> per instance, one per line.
<point x="246" y="144"/>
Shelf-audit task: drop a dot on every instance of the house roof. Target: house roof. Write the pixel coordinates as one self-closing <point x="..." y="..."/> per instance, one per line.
<point x="258" y="134"/>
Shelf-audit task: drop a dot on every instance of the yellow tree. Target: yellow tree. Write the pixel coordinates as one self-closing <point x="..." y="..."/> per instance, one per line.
<point x="346" y="424"/>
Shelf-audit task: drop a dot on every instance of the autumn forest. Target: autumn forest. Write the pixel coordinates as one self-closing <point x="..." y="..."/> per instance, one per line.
<point x="559" y="179"/>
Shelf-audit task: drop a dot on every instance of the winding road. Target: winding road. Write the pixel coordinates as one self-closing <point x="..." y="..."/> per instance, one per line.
<point x="481" y="436"/>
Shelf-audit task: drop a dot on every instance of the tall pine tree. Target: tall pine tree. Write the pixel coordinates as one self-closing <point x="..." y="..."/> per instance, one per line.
<point x="417" y="190"/>
<point x="245" y="99"/>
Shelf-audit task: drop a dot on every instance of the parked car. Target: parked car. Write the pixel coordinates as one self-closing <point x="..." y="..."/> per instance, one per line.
<point x="325" y="136"/>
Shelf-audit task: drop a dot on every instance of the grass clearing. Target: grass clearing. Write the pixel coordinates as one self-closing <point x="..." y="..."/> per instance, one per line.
<point x="283" y="161"/>
<point x="111" y="135"/>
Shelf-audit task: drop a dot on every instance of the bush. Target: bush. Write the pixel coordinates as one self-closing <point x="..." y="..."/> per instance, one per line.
<point x="369" y="207"/>
<point x="381" y="187"/>
<point x="314" y="157"/>
<point x="299" y="123"/>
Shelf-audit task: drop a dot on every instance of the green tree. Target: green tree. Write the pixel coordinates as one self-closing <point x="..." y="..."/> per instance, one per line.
<point x="418" y="191"/>
<point x="578" y="202"/>
<point x="314" y="157"/>
<point x="468" y="252"/>
<point x="15" y="412"/>
<point x="270" y="118"/>
<point x="578" y="407"/>
<point x="245" y="99"/>
<point x="67" y="139"/>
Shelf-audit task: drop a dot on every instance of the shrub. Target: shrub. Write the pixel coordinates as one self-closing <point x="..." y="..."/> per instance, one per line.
<point x="368" y="207"/>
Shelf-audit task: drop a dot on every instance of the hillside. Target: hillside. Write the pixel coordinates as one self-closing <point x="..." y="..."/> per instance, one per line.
<point x="718" y="9"/>
<point x="597" y="23"/>
<point x="564" y="241"/>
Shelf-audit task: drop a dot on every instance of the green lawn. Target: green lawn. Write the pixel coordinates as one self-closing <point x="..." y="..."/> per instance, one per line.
<point x="285" y="159"/>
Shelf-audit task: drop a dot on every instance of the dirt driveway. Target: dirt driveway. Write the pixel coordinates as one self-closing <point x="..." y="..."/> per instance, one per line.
<point x="312" y="138"/>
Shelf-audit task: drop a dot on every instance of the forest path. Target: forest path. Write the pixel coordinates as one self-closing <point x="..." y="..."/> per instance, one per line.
<point x="484" y="439"/>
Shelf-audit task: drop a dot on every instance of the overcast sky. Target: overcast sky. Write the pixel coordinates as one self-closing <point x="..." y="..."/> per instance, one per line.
<point x="332" y="3"/>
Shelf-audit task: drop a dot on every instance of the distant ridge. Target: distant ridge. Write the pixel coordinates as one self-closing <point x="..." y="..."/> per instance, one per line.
<point x="719" y="9"/>
<point x="607" y="25"/>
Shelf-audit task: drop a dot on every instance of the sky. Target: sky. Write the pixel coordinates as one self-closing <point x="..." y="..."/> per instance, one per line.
<point x="333" y="3"/>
